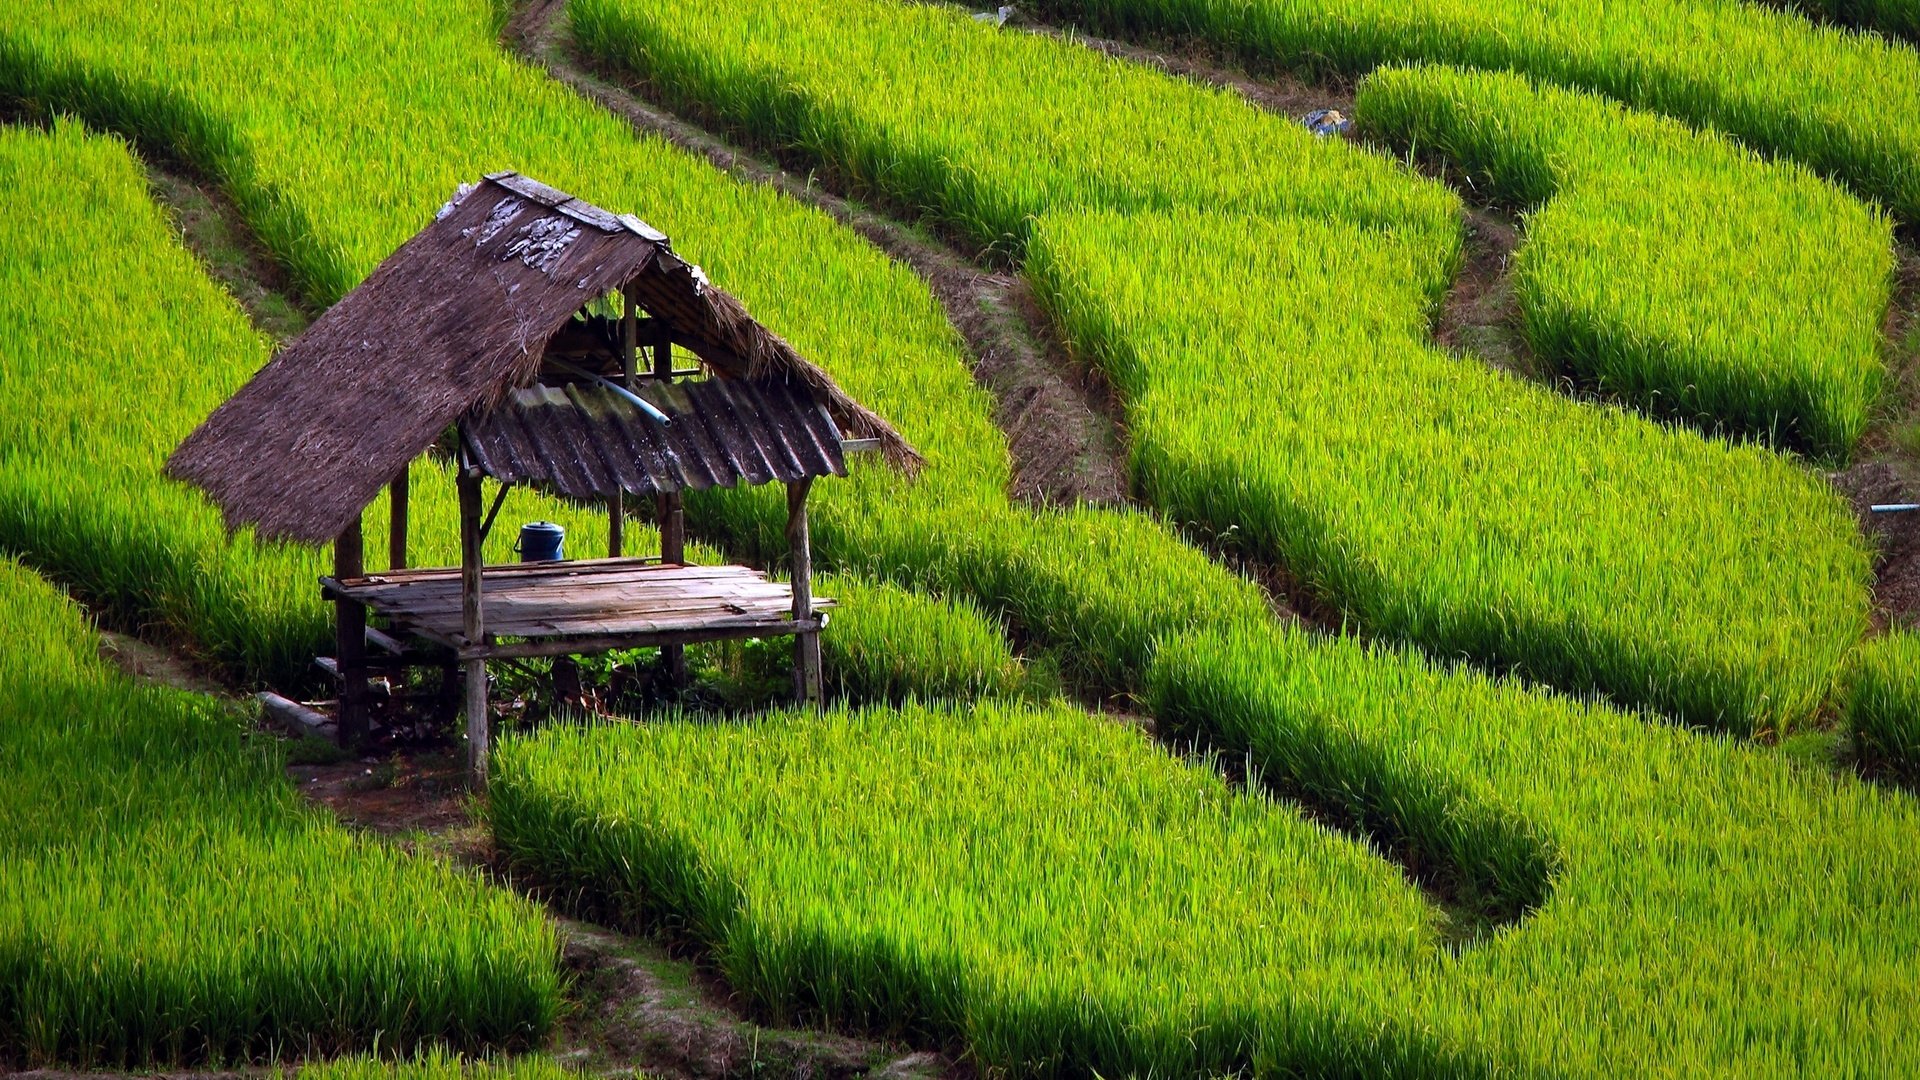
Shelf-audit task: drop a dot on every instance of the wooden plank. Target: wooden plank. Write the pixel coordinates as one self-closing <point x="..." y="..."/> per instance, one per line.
<point x="587" y="646"/>
<point x="295" y="718"/>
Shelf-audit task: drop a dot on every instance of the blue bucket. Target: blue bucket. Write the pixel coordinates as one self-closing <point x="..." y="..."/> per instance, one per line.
<point x="542" y="541"/>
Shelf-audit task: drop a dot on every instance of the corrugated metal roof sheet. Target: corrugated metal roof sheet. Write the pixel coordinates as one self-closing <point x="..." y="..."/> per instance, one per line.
<point x="586" y="441"/>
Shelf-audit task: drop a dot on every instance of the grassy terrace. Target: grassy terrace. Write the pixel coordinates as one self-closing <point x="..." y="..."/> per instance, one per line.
<point x="1057" y="896"/>
<point x="119" y="947"/>
<point x="1845" y="104"/>
<point x="1691" y="905"/>
<point x="1405" y="486"/>
<point x="1673" y="270"/>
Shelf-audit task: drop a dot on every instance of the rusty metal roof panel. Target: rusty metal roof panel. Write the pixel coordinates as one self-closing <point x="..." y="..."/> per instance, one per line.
<point x="586" y="441"/>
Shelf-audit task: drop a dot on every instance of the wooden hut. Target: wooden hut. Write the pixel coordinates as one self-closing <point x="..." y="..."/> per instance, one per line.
<point x="495" y="322"/>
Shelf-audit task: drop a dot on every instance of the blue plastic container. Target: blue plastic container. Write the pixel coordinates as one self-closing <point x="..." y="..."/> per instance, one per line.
<point x="542" y="541"/>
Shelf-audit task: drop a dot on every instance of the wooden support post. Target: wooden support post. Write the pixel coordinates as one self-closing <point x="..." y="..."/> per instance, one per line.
<point x="670" y="512"/>
<point x="397" y="522"/>
<point x="473" y="629"/>
<point x="350" y="639"/>
<point x="806" y="644"/>
<point x="629" y="371"/>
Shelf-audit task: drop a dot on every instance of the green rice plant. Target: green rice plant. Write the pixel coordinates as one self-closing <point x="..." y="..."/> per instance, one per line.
<point x="978" y="131"/>
<point x="1046" y="889"/>
<point x="1675" y="270"/>
<point x="1715" y="909"/>
<point x="1443" y="503"/>
<point x="1053" y="896"/>
<point x="888" y="644"/>
<point x="168" y="897"/>
<point x="1882" y="703"/>
<point x="1845" y="104"/>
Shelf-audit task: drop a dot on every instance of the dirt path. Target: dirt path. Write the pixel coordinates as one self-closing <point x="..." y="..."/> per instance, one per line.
<point x="1061" y="421"/>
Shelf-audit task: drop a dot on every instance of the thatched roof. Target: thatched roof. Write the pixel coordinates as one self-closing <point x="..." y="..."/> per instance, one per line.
<point x="445" y="327"/>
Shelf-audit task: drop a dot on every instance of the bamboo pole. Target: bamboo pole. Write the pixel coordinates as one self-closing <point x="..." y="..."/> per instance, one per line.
<point x="806" y="645"/>
<point x="479" y="729"/>
<point x="350" y="639"/>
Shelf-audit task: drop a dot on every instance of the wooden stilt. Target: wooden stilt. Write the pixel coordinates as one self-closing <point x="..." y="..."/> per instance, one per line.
<point x="397" y="522"/>
<point x="629" y="340"/>
<point x="670" y="512"/>
<point x="479" y="727"/>
<point x="806" y="645"/>
<point x="350" y="640"/>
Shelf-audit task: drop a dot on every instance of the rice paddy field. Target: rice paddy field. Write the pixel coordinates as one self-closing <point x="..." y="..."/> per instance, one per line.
<point x="1411" y="714"/>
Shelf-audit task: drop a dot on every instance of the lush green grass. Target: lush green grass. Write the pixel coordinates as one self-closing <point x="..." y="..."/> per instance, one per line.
<point x="1054" y="894"/>
<point x="167" y="897"/>
<point x="1443" y="503"/>
<point x="1714" y="908"/>
<point x="1882" y="704"/>
<point x="1047" y="889"/>
<point x="978" y="131"/>
<point x="1846" y="104"/>
<point x="1676" y="270"/>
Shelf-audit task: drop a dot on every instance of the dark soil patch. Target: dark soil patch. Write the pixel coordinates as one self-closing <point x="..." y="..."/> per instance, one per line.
<point x="151" y="663"/>
<point x="1481" y="315"/>
<point x="634" y="1007"/>
<point x="1061" y="421"/>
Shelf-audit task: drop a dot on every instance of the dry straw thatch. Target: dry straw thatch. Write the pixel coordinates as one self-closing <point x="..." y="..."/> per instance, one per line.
<point x="446" y="326"/>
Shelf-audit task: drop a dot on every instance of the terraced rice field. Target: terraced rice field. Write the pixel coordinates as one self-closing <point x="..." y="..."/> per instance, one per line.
<point x="1482" y="724"/>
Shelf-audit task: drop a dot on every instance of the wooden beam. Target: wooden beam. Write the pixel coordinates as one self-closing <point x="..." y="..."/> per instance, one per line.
<point x="296" y="718"/>
<point x="397" y="522"/>
<point x="806" y="646"/>
<point x="592" y="644"/>
<point x="479" y="729"/>
<point x="350" y="639"/>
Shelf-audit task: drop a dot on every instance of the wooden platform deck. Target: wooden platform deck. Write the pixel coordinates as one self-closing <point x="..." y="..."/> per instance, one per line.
<point x="583" y="606"/>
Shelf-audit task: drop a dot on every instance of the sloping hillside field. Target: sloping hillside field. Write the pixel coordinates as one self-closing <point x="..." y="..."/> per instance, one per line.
<point x="1419" y="716"/>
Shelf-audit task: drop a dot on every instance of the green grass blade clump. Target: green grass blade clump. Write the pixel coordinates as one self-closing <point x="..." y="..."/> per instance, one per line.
<point x="1443" y="503"/>
<point x="1846" y="105"/>
<point x="1673" y="269"/>
<point x="167" y="899"/>
<point x="1046" y="888"/>
<point x="1714" y="908"/>
<point x="1882" y="704"/>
